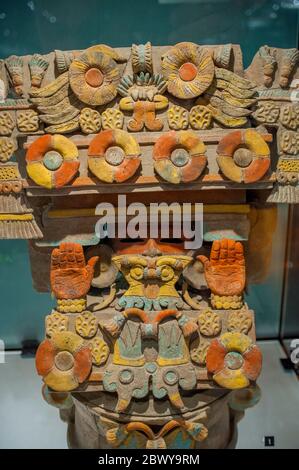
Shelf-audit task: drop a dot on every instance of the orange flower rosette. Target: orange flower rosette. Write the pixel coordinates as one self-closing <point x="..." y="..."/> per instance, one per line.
<point x="234" y="360"/>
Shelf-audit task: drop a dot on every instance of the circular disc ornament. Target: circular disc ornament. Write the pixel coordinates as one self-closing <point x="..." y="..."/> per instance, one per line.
<point x="64" y="361"/>
<point x="233" y="360"/>
<point x="94" y="77"/>
<point x="52" y="161"/>
<point x="113" y="156"/>
<point x="189" y="70"/>
<point x="243" y="156"/>
<point x="179" y="157"/>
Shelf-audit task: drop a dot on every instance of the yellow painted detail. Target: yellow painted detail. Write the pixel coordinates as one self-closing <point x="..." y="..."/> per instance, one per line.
<point x="229" y="168"/>
<point x="226" y="302"/>
<point x="167" y="171"/>
<point x="136" y="290"/>
<point x="67" y="341"/>
<point x="183" y="139"/>
<point x="101" y="169"/>
<point x="235" y="342"/>
<point x="288" y="165"/>
<point x="173" y="361"/>
<point x="9" y="172"/>
<point x="65" y="147"/>
<point x="161" y="102"/>
<point x="127" y="142"/>
<point x="16" y="217"/>
<point x="227" y="208"/>
<point x="232" y="379"/>
<point x="126" y="104"/>
<point x="61" y="381"/>
<point x="174" y="261"/>
<point x="175" y="397"/>
<point x="256" y="143"/>
<point x="208" y="209"/>
<point x="126" y="361"/>
<point x="40" y="174"/>
<point x="71" y="305"/>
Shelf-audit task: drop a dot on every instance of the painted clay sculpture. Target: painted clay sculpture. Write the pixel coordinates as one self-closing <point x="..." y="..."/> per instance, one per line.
<point x="155" y="339"/>
<point x="27" y="121"/>
<point x="229" y="98"/>
<point x="55" y="323"/>
<point x="276" y="108"/>
<point x="268" y="58"/>
<point x="131" y="370"/>
<point x="125" y="436"/>
<point x="177" y="118"/>
<point x="147" y="347"/>
<point x="7" y="148"/>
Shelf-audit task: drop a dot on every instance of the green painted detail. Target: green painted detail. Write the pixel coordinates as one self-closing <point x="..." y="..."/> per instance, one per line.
<point x="141" y="54"/>
<point x="141" y="392"/>
<point x="148" y="330"/>
<point x="15" y="103"/>
<point x="180" y="157"/>
<point x="108" y="385"/>
<point x="129" y="301"/>
<point x="52" y="160"/>
<point x="171" y="377"/>
<point x="129" y="342"/>
<point x="179" y="439"/>
<point x="171" y="341"/>
<point x="151" y="368"/>
<point x="132" y="442"/>
<point x="234" y="360"/>
<point x="126" y="376"/>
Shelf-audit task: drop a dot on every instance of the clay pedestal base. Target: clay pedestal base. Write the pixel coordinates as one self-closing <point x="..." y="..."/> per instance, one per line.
<point x="90" y="419"/>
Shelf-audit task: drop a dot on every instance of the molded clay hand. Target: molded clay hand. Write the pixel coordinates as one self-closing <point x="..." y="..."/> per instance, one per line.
<point x="70" y="275"/>
<point x="225" y="271"/>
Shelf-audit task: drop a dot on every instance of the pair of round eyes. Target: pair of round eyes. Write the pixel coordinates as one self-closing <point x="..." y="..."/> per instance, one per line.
<point x="166" y="273"/>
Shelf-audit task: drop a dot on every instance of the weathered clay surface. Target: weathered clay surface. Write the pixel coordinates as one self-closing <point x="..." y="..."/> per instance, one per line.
<point x="148" y="335"/>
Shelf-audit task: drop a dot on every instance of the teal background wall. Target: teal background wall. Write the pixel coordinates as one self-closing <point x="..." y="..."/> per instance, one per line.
<point x="43" y="25"/>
